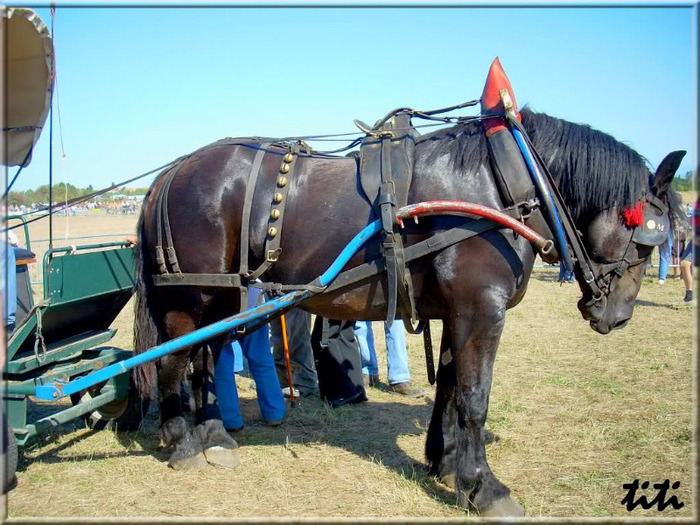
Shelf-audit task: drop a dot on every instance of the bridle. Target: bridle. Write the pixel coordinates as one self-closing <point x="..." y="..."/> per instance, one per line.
<point x="652" y="231"/>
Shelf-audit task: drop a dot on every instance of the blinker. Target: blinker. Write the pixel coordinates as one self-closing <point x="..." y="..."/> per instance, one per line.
<point x="655" y="225"/>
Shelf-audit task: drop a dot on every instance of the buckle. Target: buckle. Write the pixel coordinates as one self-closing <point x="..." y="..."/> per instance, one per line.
<point x="273" y="255"/>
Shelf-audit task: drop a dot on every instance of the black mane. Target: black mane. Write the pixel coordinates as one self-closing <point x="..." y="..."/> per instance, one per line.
<point x="593" y="170"/>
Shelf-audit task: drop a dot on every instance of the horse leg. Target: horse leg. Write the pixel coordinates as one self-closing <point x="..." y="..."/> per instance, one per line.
<point x="475" y="333"/>
<point x="188" y="453"/>
<point x="440" y="445"/>
<point x="220" y="449"/>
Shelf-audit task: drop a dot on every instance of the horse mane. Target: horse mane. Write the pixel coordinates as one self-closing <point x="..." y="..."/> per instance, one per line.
<point x="593" y="170"/>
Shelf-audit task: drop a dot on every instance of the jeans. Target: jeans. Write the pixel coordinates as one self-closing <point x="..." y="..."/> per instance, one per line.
<point x="564" y="275"/>
<point x="301" y="356"/>
<point x="256" y="349"/>
<point x="397" y="356"/>
<point x="665" y="257"/>
<point x="8" y="290"/>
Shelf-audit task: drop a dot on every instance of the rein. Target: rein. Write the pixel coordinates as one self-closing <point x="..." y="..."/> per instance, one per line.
<point x="597" y="280"/>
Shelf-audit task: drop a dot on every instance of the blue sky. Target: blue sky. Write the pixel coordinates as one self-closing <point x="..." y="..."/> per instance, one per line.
<point x="140" y="87"/>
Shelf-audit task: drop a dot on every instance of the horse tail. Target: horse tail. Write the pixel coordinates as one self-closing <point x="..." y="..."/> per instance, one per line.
<point x="146" y="332"/>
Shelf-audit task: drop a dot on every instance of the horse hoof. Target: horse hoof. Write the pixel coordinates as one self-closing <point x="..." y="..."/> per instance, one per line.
<point x="196" y="462"/>
<point x="221" y="457"/>
<point x="507" y="506"/>
<point x="450" y="480"/>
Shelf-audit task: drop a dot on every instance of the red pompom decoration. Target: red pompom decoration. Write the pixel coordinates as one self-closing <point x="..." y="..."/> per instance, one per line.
<point x="634" y="216"/>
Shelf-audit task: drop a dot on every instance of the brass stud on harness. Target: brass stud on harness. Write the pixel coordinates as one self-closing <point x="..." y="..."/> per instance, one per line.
<point x="272" y="231"/>
<point x="284" y="168"/>
<point x="275" y="214"/>
<point x="288" y="157"/>
<point x="277" y="197"/>
<point x="282" y="181"/>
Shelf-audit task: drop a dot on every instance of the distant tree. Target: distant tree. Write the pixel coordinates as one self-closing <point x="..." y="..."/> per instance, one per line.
<point x="684" y="182"/>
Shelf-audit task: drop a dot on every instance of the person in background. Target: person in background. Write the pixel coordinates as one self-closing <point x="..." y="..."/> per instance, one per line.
<point x="399" y="375"/>
<point x="665" y="258"/>
<point x="255" y="347"/>
<point x="676" y="249"/>
<point x="688" y="257"/>
<point x="687" y="260"/>
<point x="301" y="356"/>
<point x="338" y="362"/>
<point x="8" y="285"/>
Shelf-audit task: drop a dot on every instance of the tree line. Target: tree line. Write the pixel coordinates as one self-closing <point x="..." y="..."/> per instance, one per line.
<point x="684" y="183"/>
<point x="61" y="193"/>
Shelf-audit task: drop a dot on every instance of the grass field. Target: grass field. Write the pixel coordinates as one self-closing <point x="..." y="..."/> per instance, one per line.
<point x="576" y="414"/>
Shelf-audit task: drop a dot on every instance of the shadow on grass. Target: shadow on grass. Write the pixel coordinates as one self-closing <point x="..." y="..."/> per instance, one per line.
<point x="147" y="439"/>
<point x="546" y="275"/>
<point x="368" y="430"/>
<point x="657" y="305"/>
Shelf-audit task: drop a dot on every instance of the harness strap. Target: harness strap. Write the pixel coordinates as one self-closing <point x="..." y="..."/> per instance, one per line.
<point x="387" y="205"/>
<point x="163" y="226"/>
<point x="279" y="202"/>
<point x="440" y="241"/>
<point x="428" y="346"/>
<point x="219" y="280"/>
<point x="592" y="279"/>
<point x="245" y="219"/>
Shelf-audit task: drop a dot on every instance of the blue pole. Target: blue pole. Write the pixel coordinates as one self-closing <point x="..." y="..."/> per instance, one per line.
<point x="539" y="181"/>
<point x="54" y="391"/>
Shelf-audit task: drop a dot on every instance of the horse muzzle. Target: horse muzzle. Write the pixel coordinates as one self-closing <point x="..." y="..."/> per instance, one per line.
<point x="592" y="310"/>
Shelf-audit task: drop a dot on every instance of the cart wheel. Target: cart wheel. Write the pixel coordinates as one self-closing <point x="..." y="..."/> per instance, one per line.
<point x="120" y="414"/>
<point x="8" y="457"/>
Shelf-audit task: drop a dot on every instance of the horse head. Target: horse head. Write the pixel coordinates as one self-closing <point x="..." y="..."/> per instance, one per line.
<point x="620" y="242"/>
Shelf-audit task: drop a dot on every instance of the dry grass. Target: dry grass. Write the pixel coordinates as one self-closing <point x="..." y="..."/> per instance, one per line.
<point x="577" y="414"/>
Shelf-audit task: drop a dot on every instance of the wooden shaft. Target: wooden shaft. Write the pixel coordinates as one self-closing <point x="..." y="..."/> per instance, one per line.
<point x="285" y="345"/>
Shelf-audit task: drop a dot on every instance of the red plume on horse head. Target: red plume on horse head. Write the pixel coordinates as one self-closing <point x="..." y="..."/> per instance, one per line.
<point x="491" y="102"/>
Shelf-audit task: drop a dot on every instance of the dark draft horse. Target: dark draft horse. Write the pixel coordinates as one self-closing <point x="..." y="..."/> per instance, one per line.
<point x="469" y="285"/>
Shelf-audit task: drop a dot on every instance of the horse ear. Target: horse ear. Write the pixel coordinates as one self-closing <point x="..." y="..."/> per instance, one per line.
<point x="666" y="171"/>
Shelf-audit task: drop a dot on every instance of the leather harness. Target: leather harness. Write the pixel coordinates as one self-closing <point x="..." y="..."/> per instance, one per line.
<point x="385" y="170"/>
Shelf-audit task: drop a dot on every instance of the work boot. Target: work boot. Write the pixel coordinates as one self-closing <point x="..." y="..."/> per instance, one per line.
<point x="407" y="389"/>
<point x="370" y="380"/>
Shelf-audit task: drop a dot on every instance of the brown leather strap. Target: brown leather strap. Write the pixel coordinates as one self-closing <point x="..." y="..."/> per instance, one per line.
<point x="218" y="280"/>
<point x="279" y="202"/>
<point x="247" y="205"/>
<point x="437" y="242"/>
<point x="244" y="239"/>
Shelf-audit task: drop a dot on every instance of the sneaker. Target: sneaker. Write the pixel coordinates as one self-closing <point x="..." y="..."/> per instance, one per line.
<point x="286" y="393"/>
<point x="406" y="389"/>
<point x="662" y="282"/>
<point x="689" y="298"/>
<point x="273" y="422"/>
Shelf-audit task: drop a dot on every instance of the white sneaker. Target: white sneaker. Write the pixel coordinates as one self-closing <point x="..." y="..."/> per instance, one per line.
<point x="662" y="281"/>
